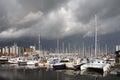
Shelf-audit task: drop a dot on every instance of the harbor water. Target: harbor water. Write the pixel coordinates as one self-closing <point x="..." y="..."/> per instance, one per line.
<point x="31" y="72"/>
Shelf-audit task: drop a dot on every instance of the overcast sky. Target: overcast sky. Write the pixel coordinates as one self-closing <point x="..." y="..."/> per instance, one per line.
<point x="58" y="19"/>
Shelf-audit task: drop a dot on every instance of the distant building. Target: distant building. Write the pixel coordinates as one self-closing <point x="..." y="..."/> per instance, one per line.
<point x="21" y="51"/>
<point x="11" y="50"/>
<point x="33" y="48"/>
<point x="117" y="47"/>
<point x="3" y="50"/>
<point x="0" y="50"/>
<point x="14" y="49"/>
<point x="6" y="50"/>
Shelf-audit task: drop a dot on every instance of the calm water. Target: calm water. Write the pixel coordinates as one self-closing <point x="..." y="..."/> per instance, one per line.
<point x="15" y="72"/>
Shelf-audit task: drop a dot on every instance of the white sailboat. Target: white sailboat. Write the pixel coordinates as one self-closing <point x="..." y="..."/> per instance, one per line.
<point x="58" y="65"/>
<point x="96" y="63"/>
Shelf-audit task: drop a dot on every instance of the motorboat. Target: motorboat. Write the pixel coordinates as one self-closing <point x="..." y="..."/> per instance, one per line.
<point x="57" y="65"/>
<point x="14" y="60"/>
<point x="68" y="63"/>
<point x="3" y="59"/>
<point x="32" y="62"/>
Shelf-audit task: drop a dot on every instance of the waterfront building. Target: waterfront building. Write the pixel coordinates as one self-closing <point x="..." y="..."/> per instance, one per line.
<point x="117" y="47"/>
<point x="33" y="48"/>
<point x="6" y="50"/>
<point x="14" y="49"/>
<point x="0" y="50"/>
<point x="27" y="51"/>
<point x="3" y="50"/>
<point x="20" y="51"/>
<point x="30" y="51"/>
<point x="11" y="50"/>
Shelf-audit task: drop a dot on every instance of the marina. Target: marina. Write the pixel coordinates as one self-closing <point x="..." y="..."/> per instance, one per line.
<point x="57" y="68"/>
<point x="59" y="40"/>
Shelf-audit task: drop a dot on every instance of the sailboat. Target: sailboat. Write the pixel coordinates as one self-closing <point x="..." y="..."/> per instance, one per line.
<point x="59" y="65"/>
<point x="96" y="63"/>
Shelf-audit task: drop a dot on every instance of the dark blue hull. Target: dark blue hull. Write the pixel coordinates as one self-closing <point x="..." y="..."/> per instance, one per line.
<point x="59" y="67"/>
<point x="3" y="61"/>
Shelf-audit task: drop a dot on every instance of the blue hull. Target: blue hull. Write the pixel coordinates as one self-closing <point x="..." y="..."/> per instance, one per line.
<point x="59" y="67"/>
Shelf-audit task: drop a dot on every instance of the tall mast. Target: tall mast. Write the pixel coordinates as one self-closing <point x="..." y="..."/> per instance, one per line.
<point x="95" y="35"/>
<point x="63" y="47"/>
<point x="83" y="50"/>
<point x="58" y="46"/>
<point x="39" y="43"/>
<point x="69" y="48"/>
<point x="106" y="49"/>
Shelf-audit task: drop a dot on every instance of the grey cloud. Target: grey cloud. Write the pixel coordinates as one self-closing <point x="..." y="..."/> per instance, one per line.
<point x="106" y="10"/>
<point x="43" y="5"/>
<point x="58" y="18"/>
<point x="103" y="8"/>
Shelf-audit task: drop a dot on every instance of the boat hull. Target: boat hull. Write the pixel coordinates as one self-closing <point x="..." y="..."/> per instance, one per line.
<point x="59" y="66"/>
<point x="3" y="60"/>
<point x="22" y="63"/>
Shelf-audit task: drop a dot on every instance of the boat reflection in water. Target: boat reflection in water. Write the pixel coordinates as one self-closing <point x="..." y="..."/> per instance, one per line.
<point x="92" y="72"/>
<point x="32" y="72"/>
<point x="25" y="72"/>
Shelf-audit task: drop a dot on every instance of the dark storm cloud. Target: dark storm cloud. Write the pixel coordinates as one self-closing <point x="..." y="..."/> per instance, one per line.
<point x="57" y="18"/>
<point x="3" y="20"/>
<point x="43" y="5"/>
<point x="103" y="8"/>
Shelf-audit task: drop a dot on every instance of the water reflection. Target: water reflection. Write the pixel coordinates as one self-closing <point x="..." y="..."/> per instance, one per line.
<point x="31" y="72"/>
<point x="94" y="73"/>
<point x="27" y="72"/>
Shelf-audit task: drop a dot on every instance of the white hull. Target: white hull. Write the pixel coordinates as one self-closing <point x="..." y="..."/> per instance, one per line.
<point x="69" y="65"/>
<point x="32" y="62"/>
<point x="100" y="65"/>
<point x="14" y="60"/>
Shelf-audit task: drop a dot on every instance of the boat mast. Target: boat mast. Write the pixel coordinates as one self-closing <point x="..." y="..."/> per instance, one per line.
<point x="106" y="49"/>
<point x="95" y="35"/>
<point x="83" y="50"/>
<point x="69" y="48"/>
<point x="39" y="43"/>
<point x="63" y="47"/>
<point x="58" y="46"/>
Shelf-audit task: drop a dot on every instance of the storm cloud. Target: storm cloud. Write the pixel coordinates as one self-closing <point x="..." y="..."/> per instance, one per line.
<point x="58" y="18"/>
